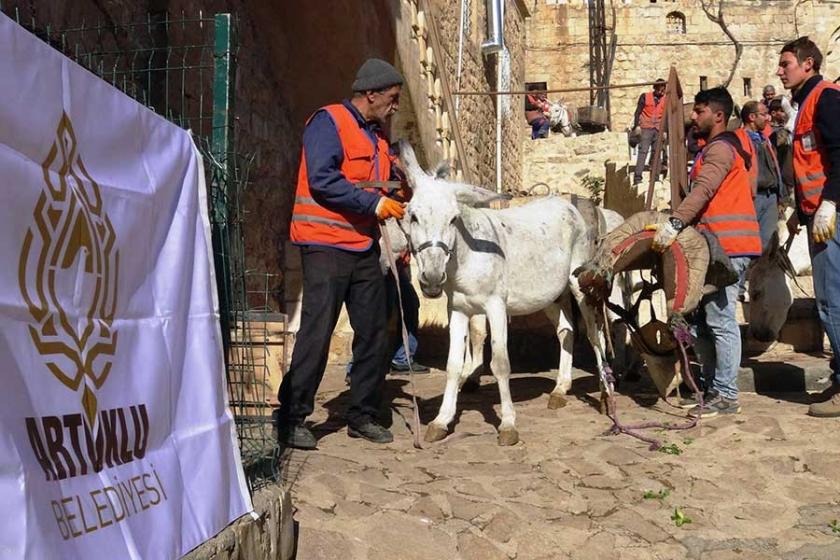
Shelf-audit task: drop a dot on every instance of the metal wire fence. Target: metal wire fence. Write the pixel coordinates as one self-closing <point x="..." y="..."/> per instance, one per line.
<point x="184" y="67"/>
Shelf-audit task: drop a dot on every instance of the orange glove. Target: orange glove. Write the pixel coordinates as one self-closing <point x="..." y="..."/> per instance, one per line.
<point x="390" y="208"/>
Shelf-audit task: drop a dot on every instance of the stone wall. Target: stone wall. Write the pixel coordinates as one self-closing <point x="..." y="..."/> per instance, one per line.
<point x="561" y="163"/>
<point x="278" y="83"/>
<point x="558" y="45"/>
<point x="268" y="535"/>
<point x="477" y="114"/>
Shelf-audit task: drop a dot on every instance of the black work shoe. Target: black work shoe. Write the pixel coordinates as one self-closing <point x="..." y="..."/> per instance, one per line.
<point x="371" y="431"/>
<point x="403" y="368"/>
<point x="297" y="436"/>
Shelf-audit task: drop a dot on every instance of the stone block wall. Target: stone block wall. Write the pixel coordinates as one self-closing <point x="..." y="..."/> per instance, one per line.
<point x="562" y="162"/>
<point x="647" y="45"/>
<point x="476" y="115"/>
<point x="267" y="535"/>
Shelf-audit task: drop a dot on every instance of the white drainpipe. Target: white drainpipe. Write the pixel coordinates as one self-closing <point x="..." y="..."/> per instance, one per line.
<point x="495" y="44"/>
<point x="461" y="23"/>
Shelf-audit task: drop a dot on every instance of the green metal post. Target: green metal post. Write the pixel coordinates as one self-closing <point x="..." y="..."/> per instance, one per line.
<point x="221" y="148"/>
<point x="224" y="75"/>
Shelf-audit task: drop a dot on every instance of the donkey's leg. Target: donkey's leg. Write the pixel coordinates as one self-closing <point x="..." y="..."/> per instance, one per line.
<point x="458" y="324"/>
<point x="618" y="329"/>
<point x="560" y="315"/>
<point x="500" y="365"/>
<point x="475" y="361"/>
<point x="595" y="336"/>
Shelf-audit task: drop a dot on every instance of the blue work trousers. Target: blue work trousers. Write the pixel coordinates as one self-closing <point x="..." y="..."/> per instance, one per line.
<point x="825" y="268"/>
<point x="718" y="336"/>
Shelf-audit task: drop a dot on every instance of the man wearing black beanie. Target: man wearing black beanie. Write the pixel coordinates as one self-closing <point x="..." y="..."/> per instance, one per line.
<point x="334" y="222"/>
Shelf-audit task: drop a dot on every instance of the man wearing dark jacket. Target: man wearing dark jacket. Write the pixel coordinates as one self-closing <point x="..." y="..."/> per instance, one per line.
<point x="816" y="169"/>
<point x="334" y="222"/>
<point x="769" y="189"/>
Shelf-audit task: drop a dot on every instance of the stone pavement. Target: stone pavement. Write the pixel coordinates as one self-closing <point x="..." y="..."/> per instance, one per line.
<point x="760" y="485"/>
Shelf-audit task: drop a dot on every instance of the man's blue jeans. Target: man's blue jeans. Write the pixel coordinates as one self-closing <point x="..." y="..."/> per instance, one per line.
<point x="539" y="128"/>
<point x="825" y="268"/>
<point x="718" y="336"/>
<point x="767" y="213"/>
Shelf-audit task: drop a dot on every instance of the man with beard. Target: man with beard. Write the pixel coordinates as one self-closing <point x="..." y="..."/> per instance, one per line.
<point x="334" y="222"/>
<point x="768" y="188"/>
<point x="720" y="202"/>
<point x="816" y="170"/>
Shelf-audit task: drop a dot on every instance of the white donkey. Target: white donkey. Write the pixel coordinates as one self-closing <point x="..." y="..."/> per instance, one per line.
<point x="496" y="263"/>
<point x="621" y="295"/>
<point x="559" y="118"/>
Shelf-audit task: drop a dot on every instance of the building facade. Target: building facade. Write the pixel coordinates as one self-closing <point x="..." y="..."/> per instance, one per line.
<point x="653" y="35"/>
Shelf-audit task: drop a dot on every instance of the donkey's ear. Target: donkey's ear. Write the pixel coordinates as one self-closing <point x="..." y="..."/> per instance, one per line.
<point x="409" y="164"/>
<point x="407" y="157"/>
<point x="442" y="170"/>
<point x="476" y="196"/>
<point x="772" y="250"/>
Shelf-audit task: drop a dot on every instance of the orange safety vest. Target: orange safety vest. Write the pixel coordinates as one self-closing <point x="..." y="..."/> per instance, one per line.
<point x="768" y="130"/>
<point x="749" y="147"/>
<point x="652" y="112"/>
<point x="810" y="161"/>
<point x="730" y="214"/>
<point x="315" y="224"/>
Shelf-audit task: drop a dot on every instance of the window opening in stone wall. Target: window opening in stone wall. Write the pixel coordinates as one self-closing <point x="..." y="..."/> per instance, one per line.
<point x="704" y="83"/>
<point x="675" y="23"/>
<point x="748" y="87"/>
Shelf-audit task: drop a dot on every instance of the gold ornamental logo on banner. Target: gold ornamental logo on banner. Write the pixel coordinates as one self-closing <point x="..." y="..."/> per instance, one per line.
<point x="68" y="273"/>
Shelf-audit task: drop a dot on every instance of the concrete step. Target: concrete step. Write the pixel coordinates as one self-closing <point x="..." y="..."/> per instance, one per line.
<point x="784" y="372"/>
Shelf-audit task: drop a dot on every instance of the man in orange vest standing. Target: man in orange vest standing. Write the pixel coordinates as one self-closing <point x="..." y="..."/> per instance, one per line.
<point x="816" y="170"/>
<point x="646" y="123"/>
<point x="334" y="222"/>
<point x="720" y="202"/>
<point x="765" y="174"/>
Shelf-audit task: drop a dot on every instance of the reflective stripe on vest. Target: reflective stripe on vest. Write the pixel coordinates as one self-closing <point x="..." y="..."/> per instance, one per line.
<point x="364" y="160"/>
<point x="810" y="161"/>
<point x="749" y="147"/>
<point x="730" y="214"/>
<point x="652" y="112"/>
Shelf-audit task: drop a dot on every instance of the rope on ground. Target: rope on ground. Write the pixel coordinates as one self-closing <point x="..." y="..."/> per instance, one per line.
<point x="392" y="264"/>
<point x="683" y="337"/>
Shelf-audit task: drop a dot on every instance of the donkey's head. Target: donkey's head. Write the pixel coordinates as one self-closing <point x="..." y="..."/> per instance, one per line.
<point x="770" y="292"/>
<point x="432" y="217"/>
<point x="558" y="116"/>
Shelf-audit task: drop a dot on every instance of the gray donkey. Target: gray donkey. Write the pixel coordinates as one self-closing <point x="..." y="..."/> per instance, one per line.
<point x="496" y="263"/>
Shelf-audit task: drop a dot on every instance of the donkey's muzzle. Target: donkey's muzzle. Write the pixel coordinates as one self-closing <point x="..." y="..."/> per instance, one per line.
<point x="763" y="335"/>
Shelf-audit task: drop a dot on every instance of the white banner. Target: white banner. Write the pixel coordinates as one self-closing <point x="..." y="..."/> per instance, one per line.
<point x="115" y="436"/>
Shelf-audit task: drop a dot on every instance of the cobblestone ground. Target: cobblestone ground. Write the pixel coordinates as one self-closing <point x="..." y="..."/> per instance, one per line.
<point x="760" y="485"/>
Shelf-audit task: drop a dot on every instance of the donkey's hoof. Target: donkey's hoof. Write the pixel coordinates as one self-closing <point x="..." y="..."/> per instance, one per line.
<point x="435" y="433"/>
<point x="470" y="386"/>
<point x="508" y="436"/>
<point x="556" y="401"/>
